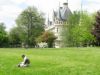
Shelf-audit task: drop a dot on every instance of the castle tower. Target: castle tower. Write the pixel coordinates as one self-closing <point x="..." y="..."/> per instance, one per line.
<point x="59" y="18"/>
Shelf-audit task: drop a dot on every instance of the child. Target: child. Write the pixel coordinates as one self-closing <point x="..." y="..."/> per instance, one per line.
<point x="25" y="62"/>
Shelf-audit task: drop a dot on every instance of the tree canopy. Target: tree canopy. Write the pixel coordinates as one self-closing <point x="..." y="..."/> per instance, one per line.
<point x="47" y="37"/>
<point x="78" y="30"/>
<point x="30" y="23"/>
<point x="3" y="36"/>
<point x="96" y="29"/>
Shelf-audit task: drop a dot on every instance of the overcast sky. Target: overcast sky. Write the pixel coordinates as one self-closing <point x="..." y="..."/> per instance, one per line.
<point x="10" y="9"/>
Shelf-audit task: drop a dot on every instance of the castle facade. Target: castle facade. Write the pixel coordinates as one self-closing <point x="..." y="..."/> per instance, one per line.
<point x="60" y="17"/>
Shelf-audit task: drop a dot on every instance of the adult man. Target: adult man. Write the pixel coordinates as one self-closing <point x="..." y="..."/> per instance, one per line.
<point x="25" y="62"/>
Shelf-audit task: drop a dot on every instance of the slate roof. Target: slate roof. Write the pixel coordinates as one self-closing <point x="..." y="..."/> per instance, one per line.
<point x="62" y="13"/>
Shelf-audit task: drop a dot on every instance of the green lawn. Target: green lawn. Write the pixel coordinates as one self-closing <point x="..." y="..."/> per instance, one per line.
<point x="67" y="61"/>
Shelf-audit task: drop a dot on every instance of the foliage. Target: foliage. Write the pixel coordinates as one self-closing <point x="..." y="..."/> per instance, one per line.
<point x="67" y="33"/>
<point x="96" y="29"/>
<point x="78" y="30"/>
<point x="14" y="37"/>
<point x="47" y="37"/>
<point x="83" y="30"/>
<point x="3" y="36"/>
<point x="31" y="25"/>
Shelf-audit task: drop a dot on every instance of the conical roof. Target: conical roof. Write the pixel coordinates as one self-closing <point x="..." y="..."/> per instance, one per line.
<point x="62" y="13"/>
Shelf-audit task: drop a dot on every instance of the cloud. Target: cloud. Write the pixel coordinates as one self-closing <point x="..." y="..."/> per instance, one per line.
<point x="10" y="9"/>
<point x="18" y="1"/>
<point x="8" y="12"/>
<point x="5" y="2"/>
<point x="75" y="5"/>
<point x="91" y="5"/>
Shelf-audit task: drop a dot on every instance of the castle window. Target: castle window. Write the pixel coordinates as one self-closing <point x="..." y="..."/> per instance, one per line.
<point x="60" y="22"/>
<point x="57" y="30"/>
<point x="57" y="22"/>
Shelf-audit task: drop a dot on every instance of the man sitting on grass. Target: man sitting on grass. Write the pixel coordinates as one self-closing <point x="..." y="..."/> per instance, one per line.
<point x="25" y="62"/>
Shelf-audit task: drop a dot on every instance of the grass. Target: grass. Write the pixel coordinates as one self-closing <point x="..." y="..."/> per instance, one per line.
<point x="66" y="61"/>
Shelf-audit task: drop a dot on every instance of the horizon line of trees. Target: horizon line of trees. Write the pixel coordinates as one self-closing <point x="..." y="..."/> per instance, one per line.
<point x="29" y="27"/>
<point x="81" y="30"/>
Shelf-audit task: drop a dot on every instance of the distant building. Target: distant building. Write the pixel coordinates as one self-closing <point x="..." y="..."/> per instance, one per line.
<point x="59" y="18"/>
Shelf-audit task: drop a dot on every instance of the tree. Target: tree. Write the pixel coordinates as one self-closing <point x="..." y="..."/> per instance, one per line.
<point x="96" y="29"/>
<point x="85" y="27"/>
<point x="31" y="25"/>
<point x="78" y="30"/>
<point x="67" y="33"/>
<point x="47" y="37"/>
<point x="3" y="36"/>
<point x="14" y="37"/>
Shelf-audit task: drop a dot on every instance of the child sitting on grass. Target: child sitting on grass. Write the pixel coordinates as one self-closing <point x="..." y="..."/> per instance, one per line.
<point x="25" y="62"/>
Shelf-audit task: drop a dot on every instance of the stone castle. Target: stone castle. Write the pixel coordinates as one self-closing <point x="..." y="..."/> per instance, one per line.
<point x="60" y="17"/>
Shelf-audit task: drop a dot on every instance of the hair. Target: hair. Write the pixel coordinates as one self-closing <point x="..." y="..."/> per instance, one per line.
<point x="23" y="56"/>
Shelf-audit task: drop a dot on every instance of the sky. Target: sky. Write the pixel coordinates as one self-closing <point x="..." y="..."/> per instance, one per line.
<point x="10" y="9"/>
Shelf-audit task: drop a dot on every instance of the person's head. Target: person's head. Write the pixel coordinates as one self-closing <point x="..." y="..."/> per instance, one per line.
<point x="23" y="56"/>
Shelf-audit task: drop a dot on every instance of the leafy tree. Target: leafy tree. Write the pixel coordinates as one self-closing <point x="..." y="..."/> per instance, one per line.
<point x="96" y="29"/>
<point x="3" y="36"/>
<point x="83" y="30"/>
<point x="67" y="33"/>
<point x="14" y="37"/>
<point x="47" y="37"/>
<point x="31" y="25"/>
<point x="78" y="30"/>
